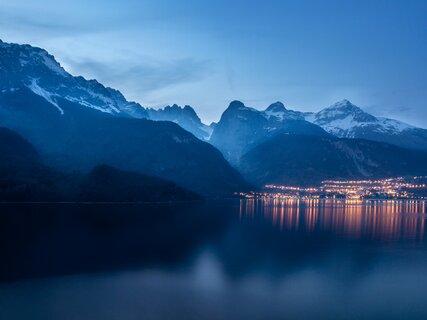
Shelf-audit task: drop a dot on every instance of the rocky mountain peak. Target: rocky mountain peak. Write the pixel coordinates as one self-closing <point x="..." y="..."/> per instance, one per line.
<point x="341" y="110"/>
<point x="276" y="107"/>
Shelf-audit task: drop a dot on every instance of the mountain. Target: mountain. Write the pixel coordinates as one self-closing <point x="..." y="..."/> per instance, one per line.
<point x="279" y="112"/>
<point x="37" y="70"/>
<point x="241" y="128"/>
<point x="76" y="124"/>
<point x="345" y="120"/>
<point x="185" y="117"/>
<point x="24" y="66"/>
<point x="15" y="149"/>
<point x="279" y="145"/>
<point x="304" y="160"/>
<point x="24" y="177"/>
<point x="105" y="183"/>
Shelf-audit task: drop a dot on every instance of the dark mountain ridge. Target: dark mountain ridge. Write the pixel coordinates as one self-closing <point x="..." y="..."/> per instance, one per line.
<point x="24" y="177"/>
<point x="307" y="160"/>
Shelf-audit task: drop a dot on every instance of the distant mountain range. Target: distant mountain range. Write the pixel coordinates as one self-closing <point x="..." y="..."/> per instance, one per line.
<point x="245" y="127"/>
<point x="77" y="124"/>
<point x="279" y="145"/>
<point x="185" y="117"/>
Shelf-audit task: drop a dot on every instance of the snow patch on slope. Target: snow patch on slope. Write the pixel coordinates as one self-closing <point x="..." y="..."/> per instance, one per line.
<point x="34" y="87"/>
<point x="339" y="125"/>
<point x="280" y="115"/>
<point x="346" y="127"/>
<point x="395" y="125"/>
<point x="52" y="64"/>
<point x="87" y="104"/>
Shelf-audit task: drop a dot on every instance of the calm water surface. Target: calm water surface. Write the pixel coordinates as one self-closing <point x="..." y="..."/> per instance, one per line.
<point x="239" y="259"/>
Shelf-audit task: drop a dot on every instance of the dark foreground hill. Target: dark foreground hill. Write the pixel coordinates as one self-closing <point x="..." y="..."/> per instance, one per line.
<point x="23" y="177"/>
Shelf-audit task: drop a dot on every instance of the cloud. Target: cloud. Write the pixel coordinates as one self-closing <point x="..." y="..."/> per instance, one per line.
<point x="387" y="110"/>
<point x="36" y="22"/>
<point x="34" y="25"/>
<point x="140" y="79"/>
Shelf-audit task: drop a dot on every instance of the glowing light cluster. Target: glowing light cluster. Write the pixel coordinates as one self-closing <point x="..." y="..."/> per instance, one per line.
<point x="389" y="188"/>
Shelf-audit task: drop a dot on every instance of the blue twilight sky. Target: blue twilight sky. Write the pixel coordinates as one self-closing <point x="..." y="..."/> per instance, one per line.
<point x="307" y="54"/>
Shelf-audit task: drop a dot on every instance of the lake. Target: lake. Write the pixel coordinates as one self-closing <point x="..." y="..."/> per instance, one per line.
<point x="234" y="259"/>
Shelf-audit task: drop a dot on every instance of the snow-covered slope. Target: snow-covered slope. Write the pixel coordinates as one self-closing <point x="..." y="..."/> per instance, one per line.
<point x="279" y="112"/>
<point x="27" y="67"/>
<point x="344" y="119"/>
<point x="23" y="67"/>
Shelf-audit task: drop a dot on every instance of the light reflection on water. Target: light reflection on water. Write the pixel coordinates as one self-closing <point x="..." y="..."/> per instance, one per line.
<point x="381" y="219"/>
<point x="253" y="259"/>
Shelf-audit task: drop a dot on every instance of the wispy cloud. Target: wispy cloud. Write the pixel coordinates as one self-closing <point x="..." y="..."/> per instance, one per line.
<point x="34" y="22"/>
<point x="387" y="110"/>
<point x="145" y="77"/>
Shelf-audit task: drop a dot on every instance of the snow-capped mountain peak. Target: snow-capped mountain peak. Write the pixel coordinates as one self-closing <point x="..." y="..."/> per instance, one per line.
<point x="344" y="119"/>
<point x="276" y="107"/>
<point x="27" y="67"/>
<point x="343" y="110"/>
<point x="24" y="67"/>
<point x="239" y="106"/>
<point x="16" y="58"/>
<point x="277" y="110"/>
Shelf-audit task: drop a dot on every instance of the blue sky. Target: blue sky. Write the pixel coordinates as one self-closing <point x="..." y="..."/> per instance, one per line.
<point x="307" y="54"/>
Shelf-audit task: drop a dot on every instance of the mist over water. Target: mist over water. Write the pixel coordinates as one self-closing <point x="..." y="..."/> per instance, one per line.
<point x="241" y="259"/>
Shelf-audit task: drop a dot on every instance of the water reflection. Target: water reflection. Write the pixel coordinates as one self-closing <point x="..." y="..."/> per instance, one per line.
<point x="382" y="219"/>
<point x="281" y="259"/>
